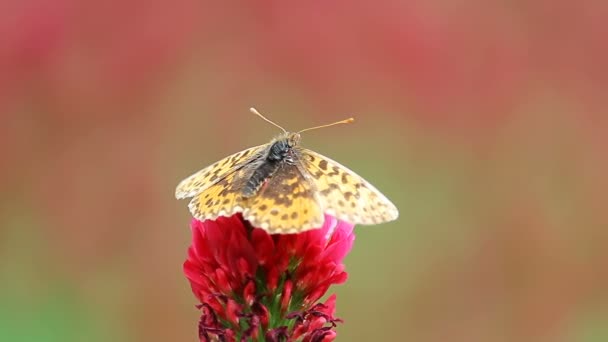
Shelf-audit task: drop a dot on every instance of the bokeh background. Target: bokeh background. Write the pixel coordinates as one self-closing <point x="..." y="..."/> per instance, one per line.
<point x="484" y="121"/>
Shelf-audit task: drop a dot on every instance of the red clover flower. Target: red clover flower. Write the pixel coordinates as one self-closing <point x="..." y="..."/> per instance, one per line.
<point x="254" y="286"/>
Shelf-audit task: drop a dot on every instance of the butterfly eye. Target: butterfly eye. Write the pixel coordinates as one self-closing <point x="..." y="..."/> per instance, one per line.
<point x="294" y="139"/>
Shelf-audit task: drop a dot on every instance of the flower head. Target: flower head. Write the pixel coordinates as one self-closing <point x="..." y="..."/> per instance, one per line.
<point x="251" y="283"/>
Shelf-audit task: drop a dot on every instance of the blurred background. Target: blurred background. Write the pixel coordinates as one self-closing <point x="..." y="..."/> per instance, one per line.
<point x="485" y="122"/>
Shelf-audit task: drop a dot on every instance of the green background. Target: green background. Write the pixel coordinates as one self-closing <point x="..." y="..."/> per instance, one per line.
<point x="484" y="122"/>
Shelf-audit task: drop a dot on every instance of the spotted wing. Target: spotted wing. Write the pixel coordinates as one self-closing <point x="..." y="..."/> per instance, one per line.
<point x="224" y="198"/>
<point x="214" y="173"/>
<point x="286" y="203"/>
<point x="344" y="194"/>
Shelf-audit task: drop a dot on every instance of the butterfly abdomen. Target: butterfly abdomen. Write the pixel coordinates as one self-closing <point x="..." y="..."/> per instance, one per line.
<point x="278" y="153"/>
<point x="259" y="176"/>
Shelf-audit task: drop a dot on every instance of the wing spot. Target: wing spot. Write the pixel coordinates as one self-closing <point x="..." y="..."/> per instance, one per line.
<point x="294" y="215"/>
<point x="341" y="203"/>
<point x="263" y="207"/>
<point x="344" y="178"/>
<point x="323" y="165"/>
<point x="274" y="212"/>
<point x="284" y="217"/>
<point x="226" y="201"/>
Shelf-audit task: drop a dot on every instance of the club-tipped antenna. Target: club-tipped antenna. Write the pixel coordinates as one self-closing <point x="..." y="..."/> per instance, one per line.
<point x="349" y="120"/>
<point x="255" y="111"/>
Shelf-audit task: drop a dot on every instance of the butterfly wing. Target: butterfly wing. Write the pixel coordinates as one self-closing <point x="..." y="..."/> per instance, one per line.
<point x="214" y="173"/>
<point x="344" y="194"/>
<point x="286" y="203"/>
<point x="224" y="198"/>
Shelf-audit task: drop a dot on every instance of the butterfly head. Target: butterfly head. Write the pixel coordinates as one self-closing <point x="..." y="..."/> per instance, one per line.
<point x="281" y="147"/>
<point x="286" y="141"/>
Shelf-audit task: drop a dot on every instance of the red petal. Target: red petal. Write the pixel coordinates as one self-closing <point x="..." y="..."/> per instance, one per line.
<point x="233" y="309"/>
<point x="286" y="296"/>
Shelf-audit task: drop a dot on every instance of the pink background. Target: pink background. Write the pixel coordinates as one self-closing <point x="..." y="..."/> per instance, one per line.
<point x="484" y="121"/>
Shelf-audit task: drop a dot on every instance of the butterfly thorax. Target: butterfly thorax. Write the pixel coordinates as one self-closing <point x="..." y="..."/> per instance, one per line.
<point x="280" y="151"/>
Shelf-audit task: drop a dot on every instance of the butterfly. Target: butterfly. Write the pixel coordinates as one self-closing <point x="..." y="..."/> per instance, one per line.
<point x="282" y="187"/>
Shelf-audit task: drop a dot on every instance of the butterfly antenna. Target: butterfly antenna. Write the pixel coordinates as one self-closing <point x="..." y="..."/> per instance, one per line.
<point x="255" y="111"/>
<point x="349" y="120"/>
